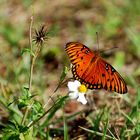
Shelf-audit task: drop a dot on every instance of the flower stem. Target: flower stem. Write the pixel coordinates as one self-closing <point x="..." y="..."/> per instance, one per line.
<point x="32" y="61"/>
<point x="31" y="57"/>
<point x="31" y="68"/>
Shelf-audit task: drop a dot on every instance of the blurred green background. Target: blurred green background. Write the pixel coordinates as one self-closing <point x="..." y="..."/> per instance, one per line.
<point x="117" y="23"/>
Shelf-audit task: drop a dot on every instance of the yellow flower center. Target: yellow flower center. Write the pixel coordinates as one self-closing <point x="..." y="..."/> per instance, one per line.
<point x="82" y="88"/>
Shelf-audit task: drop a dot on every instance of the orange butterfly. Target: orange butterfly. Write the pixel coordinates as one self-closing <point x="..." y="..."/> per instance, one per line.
<point x="92" y="71"/>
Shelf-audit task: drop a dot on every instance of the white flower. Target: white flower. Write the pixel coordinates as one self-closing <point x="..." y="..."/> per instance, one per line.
<point x="77" y="91"/>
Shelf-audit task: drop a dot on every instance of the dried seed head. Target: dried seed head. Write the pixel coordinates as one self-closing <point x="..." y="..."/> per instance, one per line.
<point x="40" y="35"/>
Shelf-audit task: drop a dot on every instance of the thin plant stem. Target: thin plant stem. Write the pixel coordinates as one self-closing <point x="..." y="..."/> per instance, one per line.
<point x="98" y="133"/>
<point x="33" y="122"/>
<point x="26" y="113"/>
<point x="31" y="67"/>
<point x="31" y="57"/>
<point x="30" y="82"/>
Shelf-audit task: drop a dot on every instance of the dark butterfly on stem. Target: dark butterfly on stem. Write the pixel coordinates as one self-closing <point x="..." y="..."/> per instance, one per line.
<point x="92" y="70"/>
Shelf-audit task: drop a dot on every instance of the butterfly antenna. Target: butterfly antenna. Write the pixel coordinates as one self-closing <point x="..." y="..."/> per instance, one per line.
<point x="103" y="50"/>
<point x="108" y="49"/>
<point x="97" y="40"/>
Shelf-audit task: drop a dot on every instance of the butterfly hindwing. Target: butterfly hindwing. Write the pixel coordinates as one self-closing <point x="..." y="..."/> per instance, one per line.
<point x="111" y="80"/>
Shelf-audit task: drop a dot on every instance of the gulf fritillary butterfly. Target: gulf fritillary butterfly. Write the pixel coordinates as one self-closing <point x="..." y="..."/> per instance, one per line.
<point x="92" y="70"/>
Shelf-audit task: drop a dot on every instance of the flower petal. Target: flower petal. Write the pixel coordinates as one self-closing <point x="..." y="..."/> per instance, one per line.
<point x="73" y="86"/>
<point x="77" y="83"/>
<point x="73" y="95"/>
<point x="82" y="98"/>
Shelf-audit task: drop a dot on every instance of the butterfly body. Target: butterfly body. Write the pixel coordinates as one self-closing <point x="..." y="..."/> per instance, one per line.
<point x="92" y="70"/>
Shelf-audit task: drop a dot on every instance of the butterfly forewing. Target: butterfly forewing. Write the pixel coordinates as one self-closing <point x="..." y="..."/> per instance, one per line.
<point x="77" y="53"/>
<point x="90" y="69"/>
